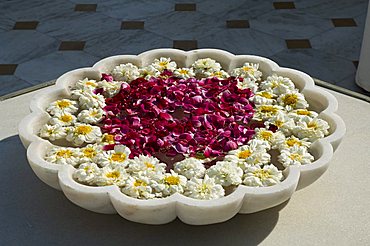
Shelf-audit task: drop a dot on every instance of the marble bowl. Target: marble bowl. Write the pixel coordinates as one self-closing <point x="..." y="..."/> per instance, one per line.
<point x="244" y="199"/>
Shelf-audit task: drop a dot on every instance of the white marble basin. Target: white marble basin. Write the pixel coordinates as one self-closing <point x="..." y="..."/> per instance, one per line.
<point x="244" y="199"/>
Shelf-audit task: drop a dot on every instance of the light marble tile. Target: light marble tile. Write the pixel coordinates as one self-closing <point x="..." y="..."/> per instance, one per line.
<point x="79" y="26"/>
<point x="35" y="9"/>
<point x="316" y="63"/>
<point x="126" y="42"/>
<point x="18" y="46"/>
<point x="10" y="83"/>
<point x="6" y="23"/>
<point x="290" y="24"/>
<point x="193" y="25"/>
<point x="333" y="9"/>
<point x="243" y="41"/>
<point x="134" y="10"/>
<point x="350" y="84"/>
<point x="340" y="41"/>
<point x="51" y="66"/>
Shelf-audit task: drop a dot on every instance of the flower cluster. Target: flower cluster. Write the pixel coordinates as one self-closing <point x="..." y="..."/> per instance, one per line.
<point x="199" y="131"/>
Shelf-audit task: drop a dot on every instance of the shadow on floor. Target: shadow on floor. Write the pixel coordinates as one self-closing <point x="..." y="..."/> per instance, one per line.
<point x="33" y="213"/>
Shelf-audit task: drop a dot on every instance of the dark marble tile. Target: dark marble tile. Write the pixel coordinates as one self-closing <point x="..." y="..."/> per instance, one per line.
<point x="25" y="25"/>
<point x="52" y="66"/>
<point x="17" y="46"/>
<point x="86" y="7"/>
<point x="72" y="45"/>
<point x="237" y="24"/>
<point x="185" y="7"/>
<point x="134" y="10"/>
<point x="79" y="26"/>
<point x="355" y="63"/>
<point x="126" y="42"/>
<point x="290" y="24"/>
<point x="185" y="44"/>
<point x="132" y="25"/>
<point x="298" y="44"/>
<point x="343" y="22"/>
<point x="243" y="41"/>
<point x="192" y="26"/>
<point x="344" y="42"/>
<point x="316" y="63"/>
<point x="333" y="9"/>
<point x="11" y="83"/>
<point x="8" y="69"/>
<point x="284" y="5"/>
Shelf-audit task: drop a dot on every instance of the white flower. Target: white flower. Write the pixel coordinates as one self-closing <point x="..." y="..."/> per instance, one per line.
<point x="87" y="173"/>
<point x="247" y="83"/>
<point x="89" y="153"/>
<point x="107" y="139"/>
<point x="184" y="73"/>
<point x="285" y="143"/>
<point x="63" y="156"/>
<point x="86" y="84"/>
<point x="139" y="187"/>
<point x="218" y="74"/>
<point x="201" y="66"/>
<point x="255" y="153"/>
<point x="265" y="112"/>
<point x="118" y="156"/>
<point x="264" y="97"/>
<point x="281" y="120"/>
<point x="149" y="72"/>
<point x="110" y="88"/>
<point x="91" y="115"/>
<point x="312" y="129"/>
<point x="248" y="70"/>
<point x="63" y="119"/>
<point x="147" y="166"/>
<point x="90" y="100"/>
<point x="225" y="173"/>
<point x="164" y="63"/>
<point x="296" y="155"/>
<point x="204" y="189"/>
<point x="171" y="183"/>
<point x="271" y="137"/>
<point x="53" y="132"/>
<point x="190" y="167"/>
<point x="126" y="72"/>
<point x="267" y="176"/>
<point x="110" y="175"/>
<point x="292" y="100"/>
<point x="298" y="114"/>
<point x="62" y="106"/>
<point x="83" y="133"/>
<point x="278" y="84"/>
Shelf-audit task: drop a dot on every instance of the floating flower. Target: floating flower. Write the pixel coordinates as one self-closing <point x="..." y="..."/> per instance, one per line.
<point x="217" y="74"/>
<point x="264" y="97"/>
<point x="118" y="156"/>
<point x="110" y="175"/>
<point x="86" y="84"/>
<point x="286" y="143"/>
<point x="296" y="155"/>
<point x="63" y="156"/>
<point x="90" y="100"/>
<point x="87" y="173"/>
<point x="149" y="72"/>
<point x="63" y="119"/>
<point x="62" y="106"/>
<point x="147" y="166"/>
<point x="311" y="129"/>
<point x="53" y="132"/>
<point x="201" y="66"/>
<point x="190" y="167"/>
<point x="204" y="189"/>
<point x="267" y="175"/>
<point x="265" y="112"/>
<point x="83" y="133"/>
<point x="247" y="83"/>
<point x="184" y="73"/>
<point x="299" y="114"/>
<point x="139" y="187"/>
<point x="272" y="138"/>
<point x="88" y="153"/>
<point x="110" y="88"/>
<point x="171" y="183"/>
<point x="163" y="63"/>
<point x="248" y="70"/>
<point x="225" y="173"/>
<point x="125" y="72"/>
<point x="280" y="120"/>
<point x="91" y="115"/>
<point x="278" y="84"/>
<point x="292" y="100"/>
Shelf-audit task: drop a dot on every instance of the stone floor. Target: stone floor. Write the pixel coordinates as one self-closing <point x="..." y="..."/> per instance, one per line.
<point x="40" y="40"/>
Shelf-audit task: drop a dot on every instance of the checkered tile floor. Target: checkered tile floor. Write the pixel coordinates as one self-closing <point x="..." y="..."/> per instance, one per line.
<point x="40" y="40"/>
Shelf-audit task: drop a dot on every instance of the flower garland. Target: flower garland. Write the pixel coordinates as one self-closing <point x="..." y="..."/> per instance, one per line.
<point x="199" y="131"/>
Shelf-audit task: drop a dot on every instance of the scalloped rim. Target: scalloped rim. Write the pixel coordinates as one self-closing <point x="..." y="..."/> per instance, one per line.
<point x="244" y="199"/>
